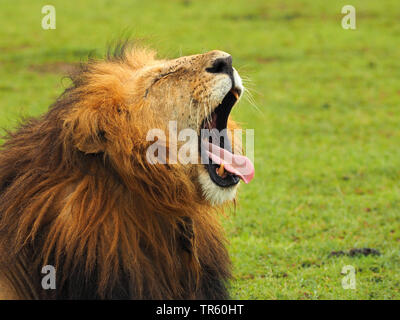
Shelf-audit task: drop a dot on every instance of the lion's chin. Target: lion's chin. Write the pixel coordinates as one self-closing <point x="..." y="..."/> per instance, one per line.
<point x="213" y="193"/>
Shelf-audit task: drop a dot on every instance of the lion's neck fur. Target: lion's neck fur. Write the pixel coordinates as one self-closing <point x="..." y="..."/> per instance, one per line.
<point x="111" y="231"/>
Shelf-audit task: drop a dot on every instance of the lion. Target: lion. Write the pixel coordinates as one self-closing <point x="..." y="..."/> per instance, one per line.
<point x="78" y="193"/>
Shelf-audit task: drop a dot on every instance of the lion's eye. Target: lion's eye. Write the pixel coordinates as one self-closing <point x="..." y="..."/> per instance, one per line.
<point x="163" y="75"/>
<point x="158" y="78"/>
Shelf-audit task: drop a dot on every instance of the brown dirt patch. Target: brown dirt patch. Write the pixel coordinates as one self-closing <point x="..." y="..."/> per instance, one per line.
<point x="356" y="252"/>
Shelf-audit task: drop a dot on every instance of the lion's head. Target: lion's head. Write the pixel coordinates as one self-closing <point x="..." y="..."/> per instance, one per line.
<point x="127" y="96"/>
<point x="77" y="189"/>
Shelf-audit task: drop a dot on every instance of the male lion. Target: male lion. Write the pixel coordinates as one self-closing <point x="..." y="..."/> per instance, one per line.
<point x="78" y="193"/>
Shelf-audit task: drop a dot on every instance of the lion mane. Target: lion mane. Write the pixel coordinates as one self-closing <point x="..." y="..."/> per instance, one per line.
<point x="77" y="193"/>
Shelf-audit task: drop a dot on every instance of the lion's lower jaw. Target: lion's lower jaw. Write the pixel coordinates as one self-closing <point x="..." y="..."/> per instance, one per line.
<point x="214" y="194"/>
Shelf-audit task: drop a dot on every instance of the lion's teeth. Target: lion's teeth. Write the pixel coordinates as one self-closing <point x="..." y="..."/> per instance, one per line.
<point x="221" y="170"/>
<point x="235" y="94"/>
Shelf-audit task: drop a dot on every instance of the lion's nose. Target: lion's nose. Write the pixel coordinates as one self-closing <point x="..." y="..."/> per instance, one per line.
<point x="221" y="65"/>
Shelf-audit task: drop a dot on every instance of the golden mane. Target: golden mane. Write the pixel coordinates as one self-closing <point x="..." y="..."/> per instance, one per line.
<point x="76" y="192"/>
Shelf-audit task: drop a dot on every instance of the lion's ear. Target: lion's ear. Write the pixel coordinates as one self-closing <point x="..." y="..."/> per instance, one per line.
<point x="85" y="129"/>
<point x="93" y="143"/>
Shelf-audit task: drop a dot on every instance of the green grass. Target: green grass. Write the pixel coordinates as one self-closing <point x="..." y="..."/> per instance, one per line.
<point x="327" y="138"/>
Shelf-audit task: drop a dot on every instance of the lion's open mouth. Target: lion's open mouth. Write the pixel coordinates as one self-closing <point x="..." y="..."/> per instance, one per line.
<point x="225" y="168"/>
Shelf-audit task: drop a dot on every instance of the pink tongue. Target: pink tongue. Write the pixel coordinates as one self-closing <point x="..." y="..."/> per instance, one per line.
<point x="233" y="163"/>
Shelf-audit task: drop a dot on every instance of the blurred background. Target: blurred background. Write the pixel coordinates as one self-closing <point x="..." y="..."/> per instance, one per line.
<point x="324" y="104"/>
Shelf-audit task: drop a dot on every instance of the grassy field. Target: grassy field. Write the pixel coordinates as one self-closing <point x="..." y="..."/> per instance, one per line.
<point x="327" y="136"/>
